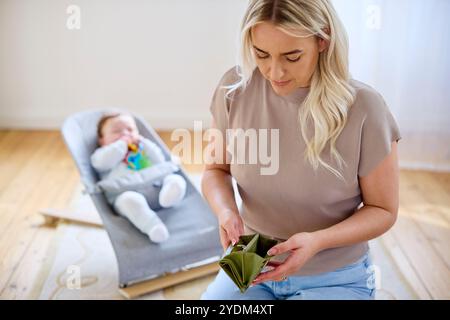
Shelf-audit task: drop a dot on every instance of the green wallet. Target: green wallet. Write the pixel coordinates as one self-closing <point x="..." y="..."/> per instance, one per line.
<point x="247" y="259"/>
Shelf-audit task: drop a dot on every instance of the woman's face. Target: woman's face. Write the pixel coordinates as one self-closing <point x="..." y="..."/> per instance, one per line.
<point x="288" y="62"/>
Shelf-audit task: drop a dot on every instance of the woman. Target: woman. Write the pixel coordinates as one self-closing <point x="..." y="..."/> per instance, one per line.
<point x="337" y="183"/>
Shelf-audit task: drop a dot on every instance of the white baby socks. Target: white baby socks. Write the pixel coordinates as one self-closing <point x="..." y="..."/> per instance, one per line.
<point x="133" y="206"/>
<point x="172" y="191"/>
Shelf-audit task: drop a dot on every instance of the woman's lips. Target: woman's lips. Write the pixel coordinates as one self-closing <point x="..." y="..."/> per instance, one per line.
<point x="281" y="83"/>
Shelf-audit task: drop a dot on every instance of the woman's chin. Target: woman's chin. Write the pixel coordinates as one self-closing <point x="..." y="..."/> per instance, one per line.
<point x="282" y="91"/>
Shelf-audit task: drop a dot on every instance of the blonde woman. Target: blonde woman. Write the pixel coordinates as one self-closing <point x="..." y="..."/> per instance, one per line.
<point x="337" y="182"/>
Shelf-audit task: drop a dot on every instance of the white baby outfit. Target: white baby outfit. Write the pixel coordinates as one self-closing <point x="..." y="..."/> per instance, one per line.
<point x="135" y="194"/>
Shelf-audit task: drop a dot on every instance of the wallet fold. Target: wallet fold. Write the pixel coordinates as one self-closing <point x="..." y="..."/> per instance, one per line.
<point x="247" y="259"/>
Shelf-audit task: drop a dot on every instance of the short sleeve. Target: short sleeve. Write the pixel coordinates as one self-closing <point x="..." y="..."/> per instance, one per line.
<point x="379" y="130"/>
<point x="221" y="101"/>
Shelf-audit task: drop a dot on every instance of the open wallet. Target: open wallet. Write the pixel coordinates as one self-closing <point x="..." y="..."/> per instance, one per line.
<point x="247" y="259"/>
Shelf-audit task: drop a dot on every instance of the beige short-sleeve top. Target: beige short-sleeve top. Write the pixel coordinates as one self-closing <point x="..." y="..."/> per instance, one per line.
<point x="297" y="198"/>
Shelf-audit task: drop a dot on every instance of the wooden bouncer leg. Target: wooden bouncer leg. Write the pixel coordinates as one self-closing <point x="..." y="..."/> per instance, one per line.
<point x="168" y="280"/>
<point x="53" y="215"/>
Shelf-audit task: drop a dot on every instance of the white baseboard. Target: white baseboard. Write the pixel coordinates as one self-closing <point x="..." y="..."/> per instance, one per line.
<point x="54" y="123"/>
<point x="411" y="165"/>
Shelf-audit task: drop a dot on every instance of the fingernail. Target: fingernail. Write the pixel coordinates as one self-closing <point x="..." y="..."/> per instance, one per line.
<point x="271" y="252"/>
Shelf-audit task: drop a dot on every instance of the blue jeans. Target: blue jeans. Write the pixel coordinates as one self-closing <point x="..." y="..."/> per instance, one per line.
<point x="352" y="282"/>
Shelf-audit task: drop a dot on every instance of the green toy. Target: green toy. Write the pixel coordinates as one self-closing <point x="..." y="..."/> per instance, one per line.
<point x="136" y="157"/>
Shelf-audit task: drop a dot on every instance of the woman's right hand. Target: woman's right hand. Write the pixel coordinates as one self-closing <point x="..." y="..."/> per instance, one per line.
<point x="231" y="228"/>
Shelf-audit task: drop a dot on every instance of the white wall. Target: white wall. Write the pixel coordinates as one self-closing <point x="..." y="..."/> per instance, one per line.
<point x="163" y="58"/>
<point x="159" y="58"/>
<point x="402" y="48"/>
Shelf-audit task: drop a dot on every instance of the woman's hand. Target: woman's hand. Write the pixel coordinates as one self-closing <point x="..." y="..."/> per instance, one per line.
<point x="231" y="228"/>
<point x="302" y="246"/>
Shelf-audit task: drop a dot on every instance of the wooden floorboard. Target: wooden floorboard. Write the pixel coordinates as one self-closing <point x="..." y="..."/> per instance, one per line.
<point x="34" y="185"/>
<point x="36" y="172"/>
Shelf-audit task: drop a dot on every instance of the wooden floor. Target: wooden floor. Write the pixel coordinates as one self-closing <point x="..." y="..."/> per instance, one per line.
<point x="36" y="172"/>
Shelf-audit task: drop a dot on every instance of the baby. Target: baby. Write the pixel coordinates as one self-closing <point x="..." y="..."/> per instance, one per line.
<point x="124" y="152"/>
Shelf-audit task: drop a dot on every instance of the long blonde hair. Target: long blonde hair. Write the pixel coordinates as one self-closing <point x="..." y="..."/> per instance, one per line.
<point x="330" y="94"/>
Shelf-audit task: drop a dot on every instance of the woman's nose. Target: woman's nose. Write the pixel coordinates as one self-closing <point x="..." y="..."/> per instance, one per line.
<point x="276" y="71"/>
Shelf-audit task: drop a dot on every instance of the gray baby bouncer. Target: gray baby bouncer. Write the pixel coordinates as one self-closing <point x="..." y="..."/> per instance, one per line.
<point x="193" y="249"/>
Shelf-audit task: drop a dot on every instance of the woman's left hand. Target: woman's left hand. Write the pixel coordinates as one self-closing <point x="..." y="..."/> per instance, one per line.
<point x="302" y="246"/>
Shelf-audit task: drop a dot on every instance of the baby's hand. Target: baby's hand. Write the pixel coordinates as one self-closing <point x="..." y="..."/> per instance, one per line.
<point x="140" y="138"/>
<point x="130" y="139"/>
<point x="127" y="139"/>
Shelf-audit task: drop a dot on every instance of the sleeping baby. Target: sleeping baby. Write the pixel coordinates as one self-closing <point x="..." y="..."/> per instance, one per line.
<point x="134" y="174"/>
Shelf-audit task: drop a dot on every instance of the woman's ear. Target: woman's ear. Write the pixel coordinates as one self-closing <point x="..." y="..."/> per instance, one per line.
<point x="323" y="43"/>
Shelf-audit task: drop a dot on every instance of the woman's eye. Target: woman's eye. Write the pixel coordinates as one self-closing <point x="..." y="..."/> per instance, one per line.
<point x="293" y="59"/>
<point x="261" y="55"/>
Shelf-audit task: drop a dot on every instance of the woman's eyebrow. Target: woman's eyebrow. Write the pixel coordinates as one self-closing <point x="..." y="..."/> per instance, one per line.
<point x="292" y="52"/>
<point x="283" y="54"/>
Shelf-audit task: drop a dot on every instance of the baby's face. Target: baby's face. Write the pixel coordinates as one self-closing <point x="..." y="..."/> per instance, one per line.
<point x="120" y="127"/>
